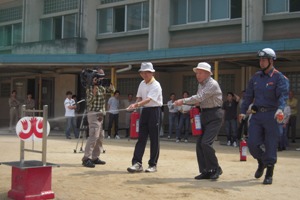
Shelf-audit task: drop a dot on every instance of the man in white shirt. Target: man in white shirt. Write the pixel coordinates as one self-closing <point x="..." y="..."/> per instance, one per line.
<point x="149" y="97"/>
<point x="70" y="107"/>
<point x="113" y="106"/>
<point x="173" y="114"/>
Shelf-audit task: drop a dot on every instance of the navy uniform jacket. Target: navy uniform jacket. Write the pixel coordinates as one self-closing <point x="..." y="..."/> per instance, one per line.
<point x="266" y="90"/>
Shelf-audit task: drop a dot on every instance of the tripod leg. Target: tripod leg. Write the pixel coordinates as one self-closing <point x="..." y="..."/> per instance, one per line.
<point x="81" y="129"/>
<point x="81" y="148"/>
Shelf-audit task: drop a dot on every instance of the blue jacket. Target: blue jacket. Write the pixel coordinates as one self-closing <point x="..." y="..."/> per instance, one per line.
<point x="266" y="90"/>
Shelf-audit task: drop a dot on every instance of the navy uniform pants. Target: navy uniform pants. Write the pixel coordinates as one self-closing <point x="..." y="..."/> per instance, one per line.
<point x="149" y="125"/>
<point x="263" y="137"/>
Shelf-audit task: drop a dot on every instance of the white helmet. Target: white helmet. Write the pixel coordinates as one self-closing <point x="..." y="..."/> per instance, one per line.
<point x="267" y="53"/>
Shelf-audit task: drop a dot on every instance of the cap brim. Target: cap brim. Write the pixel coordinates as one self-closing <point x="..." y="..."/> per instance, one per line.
<point x="146" y="70"/>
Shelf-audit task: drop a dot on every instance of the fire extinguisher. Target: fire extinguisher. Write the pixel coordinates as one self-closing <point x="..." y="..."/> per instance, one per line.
<point x="134" y="125"/>
<point x="243" y="150"/>
<point x="195" y="121"/>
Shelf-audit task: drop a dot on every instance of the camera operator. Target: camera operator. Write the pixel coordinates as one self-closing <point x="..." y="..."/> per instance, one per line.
<point x="95" y="96"/>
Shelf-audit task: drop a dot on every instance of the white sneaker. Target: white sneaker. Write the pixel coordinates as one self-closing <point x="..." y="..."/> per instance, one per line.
<point x="137" y="167"/>
<point x="177" y="141"/>
<point x="234" y="144"/>
<point x="117" y="137"/>
<point x="186" y="141"/>
<point x="228" y="143"/>
<point x="169" y="137"/>
<point x="108" y="137"/>
<point x="151" y="169"/>
<point x="298" y="149"/>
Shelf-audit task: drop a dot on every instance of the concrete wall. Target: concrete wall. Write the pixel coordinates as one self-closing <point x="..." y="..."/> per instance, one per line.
<point x="33" y="12"/>
<point x="116" y="45"/>
<point x="89" y="24"/>
<point x="206" y="36"/>
<point x="64" y="46"/>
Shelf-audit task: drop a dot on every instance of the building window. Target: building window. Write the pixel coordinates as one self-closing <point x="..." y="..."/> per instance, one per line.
<point x="109" y="1"/>
<point x="282" y="6"/>
<point x="227" y="83"/>
<point x="128" y="85"/>
<point x="53" y="6"/>
<point x="10" y="34"/>
<point x="190" y="84"/>
<point x="59" y="27"/>
<point x="137" y="16"/>
<point x="123" y="18"/>
<point x="189" y="11"/>
<point x="5" y="90"/>
<point x="11" y="14"/>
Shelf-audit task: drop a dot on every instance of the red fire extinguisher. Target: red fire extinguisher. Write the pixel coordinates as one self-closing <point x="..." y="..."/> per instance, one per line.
<point x="134" y="125"/>
<point x="195" y="121"/>
<point x="243" y="150"/>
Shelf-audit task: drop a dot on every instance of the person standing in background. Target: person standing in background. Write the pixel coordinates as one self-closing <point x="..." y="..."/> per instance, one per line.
<point x="13" y="104"/>
<point x="230" y="117"/>
<point x="184" y="120"/>
<point x="173" y="114"/>
<point x="243" y="126"/>
<point x="30" y="104"/>
<point x="293" y="103"/>
<point x="70" y="107"/>
<point x="113" y="106"/>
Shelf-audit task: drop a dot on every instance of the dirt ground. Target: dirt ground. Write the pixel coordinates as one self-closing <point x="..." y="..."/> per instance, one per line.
<point x="174" y="179"/>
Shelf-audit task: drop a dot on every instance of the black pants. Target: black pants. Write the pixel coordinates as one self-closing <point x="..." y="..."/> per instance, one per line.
<point x="149" y="125"/>
<point x="292" y="127"/>
<point x="113" y="118"/>
<point x="211" y="121"/>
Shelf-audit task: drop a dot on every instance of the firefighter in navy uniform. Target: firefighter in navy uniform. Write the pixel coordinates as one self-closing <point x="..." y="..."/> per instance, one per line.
<point x="268" y="90"/>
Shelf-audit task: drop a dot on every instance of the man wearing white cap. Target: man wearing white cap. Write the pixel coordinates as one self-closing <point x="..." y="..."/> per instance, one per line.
<point x="209" y="95"/>
<point x="149" y="97"/>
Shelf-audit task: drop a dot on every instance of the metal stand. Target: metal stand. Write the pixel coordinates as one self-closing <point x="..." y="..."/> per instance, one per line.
<point x="83" y="131"/>
<point x="32" y="179"/>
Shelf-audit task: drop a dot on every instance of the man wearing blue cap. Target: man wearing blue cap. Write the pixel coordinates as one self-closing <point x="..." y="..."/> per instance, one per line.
<point x="268" y="91"/>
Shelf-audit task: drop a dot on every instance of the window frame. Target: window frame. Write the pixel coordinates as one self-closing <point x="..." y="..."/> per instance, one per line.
<point x="62" y="27"/>
<point x="112" y="9"/>
<point x="11" y="36"/>
<point x="208" y="13"/>
<point x="286" y="10"/>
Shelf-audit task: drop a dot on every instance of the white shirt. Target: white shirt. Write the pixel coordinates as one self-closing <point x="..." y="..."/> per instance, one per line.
<point x="69" y="112"/>
<point x="151" y="90"/>
<point x="172" y="108"/>
<point x="114" y="104"/>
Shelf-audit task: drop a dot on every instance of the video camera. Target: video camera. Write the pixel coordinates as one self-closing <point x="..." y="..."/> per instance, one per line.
<point x="87" y="76"/>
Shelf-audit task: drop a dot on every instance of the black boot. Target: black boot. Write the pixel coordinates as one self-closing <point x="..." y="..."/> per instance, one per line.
<point x="268" y="178"/>
<point x="260" y="170"/>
